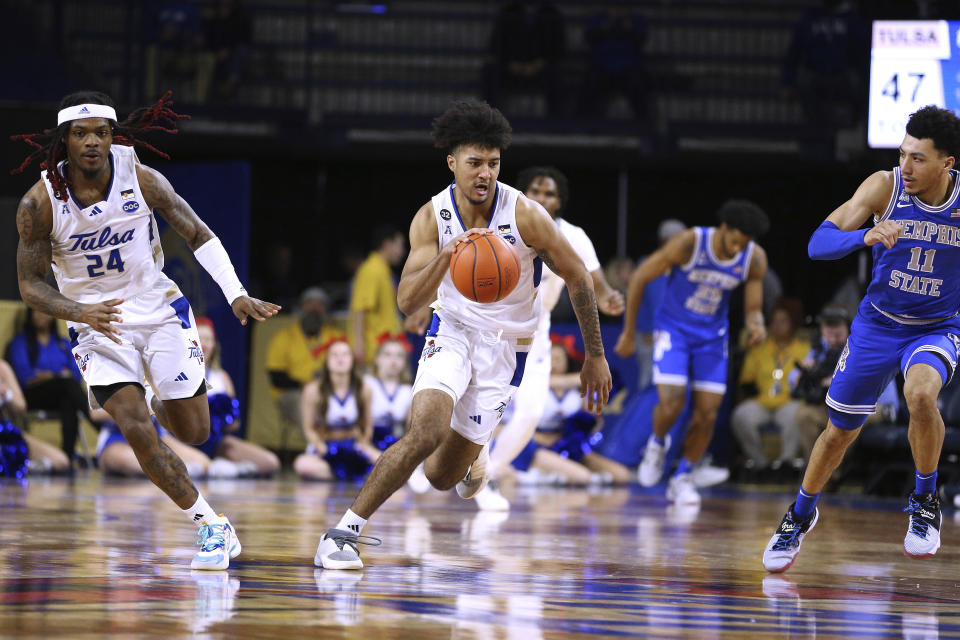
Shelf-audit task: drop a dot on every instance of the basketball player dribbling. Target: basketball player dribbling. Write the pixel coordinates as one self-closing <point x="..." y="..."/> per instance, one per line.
<point x="90" y="216"/>
<point x="474" y="355"/>
<point x="907" y="322"/>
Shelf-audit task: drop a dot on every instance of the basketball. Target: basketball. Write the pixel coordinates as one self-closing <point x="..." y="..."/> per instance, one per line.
<point x="485" y="268"/>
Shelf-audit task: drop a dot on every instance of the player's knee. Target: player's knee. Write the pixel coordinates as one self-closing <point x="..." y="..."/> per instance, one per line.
<point x="920" y="398"/>
<point x="440" y="478"/>
<point x="140" y="434"/>
<point x="705" y="417"/>
<point x="672" y="406"/>
<point x="191" y="431"/>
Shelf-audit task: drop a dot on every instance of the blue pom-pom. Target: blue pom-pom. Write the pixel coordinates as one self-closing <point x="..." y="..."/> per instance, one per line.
<point x="13" y="452"/>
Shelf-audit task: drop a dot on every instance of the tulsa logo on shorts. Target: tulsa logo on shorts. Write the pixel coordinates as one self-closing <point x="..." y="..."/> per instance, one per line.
<point x="429" y="349"/>
<point x="82" y="362"/>
<point x="194" y="351"/>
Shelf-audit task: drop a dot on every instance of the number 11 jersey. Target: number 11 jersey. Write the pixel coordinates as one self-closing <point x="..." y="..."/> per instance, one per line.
<point x="915" y="281"/>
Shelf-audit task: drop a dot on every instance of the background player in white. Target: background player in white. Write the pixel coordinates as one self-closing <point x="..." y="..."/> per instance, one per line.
<point x="91" y="217"/>
<point x="474" y="354"/>
<point x="549" y="187"/>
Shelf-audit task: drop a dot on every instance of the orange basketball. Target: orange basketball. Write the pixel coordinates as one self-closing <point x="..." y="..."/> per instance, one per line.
<point x="485" y="268"/>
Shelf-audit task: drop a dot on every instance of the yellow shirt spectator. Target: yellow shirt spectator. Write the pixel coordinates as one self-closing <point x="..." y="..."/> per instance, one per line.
<point x="768" y="366"/>
<point x="292" y="352"/>
<point x="375" y="297"/>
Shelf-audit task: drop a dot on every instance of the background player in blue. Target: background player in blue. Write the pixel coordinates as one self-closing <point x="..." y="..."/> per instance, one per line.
<point x="907" y="322"/>
<point x="690" y="331"/>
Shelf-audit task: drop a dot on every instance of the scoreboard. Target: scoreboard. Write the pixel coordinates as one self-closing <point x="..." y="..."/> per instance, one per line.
<point x="912" y="64"/>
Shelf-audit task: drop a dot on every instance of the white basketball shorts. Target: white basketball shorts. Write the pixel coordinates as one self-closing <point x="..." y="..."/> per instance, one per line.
<point x="159" y="342"/>
<point x="480" y="370"/>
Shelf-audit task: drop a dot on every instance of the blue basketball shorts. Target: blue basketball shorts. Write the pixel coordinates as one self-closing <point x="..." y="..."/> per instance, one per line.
<point x="681" y="357"/>
<point x="878" y="347"/>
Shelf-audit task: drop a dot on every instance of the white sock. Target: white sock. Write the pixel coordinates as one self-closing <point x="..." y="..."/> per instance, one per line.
<point x="201" y="512"/>
<point x="351" y="522"/>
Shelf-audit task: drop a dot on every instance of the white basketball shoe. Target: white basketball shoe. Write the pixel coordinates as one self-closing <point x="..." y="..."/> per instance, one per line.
<point x="651" y="467"/>
<point x="218" y="544"/>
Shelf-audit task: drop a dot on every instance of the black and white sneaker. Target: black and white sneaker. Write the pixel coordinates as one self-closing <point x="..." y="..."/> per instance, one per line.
<point x="784" y="546"/>
<point x="923" y="532"/>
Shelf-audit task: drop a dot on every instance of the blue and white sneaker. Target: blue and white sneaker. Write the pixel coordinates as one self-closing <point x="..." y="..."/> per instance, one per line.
<point x="923" y="533"/>
<point x="218" y="543"/>
<point x="784" y="546"/>
<point x="338" y="549"/>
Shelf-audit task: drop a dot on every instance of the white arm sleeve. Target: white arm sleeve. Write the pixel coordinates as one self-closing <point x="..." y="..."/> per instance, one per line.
<point x="215" y="260"/>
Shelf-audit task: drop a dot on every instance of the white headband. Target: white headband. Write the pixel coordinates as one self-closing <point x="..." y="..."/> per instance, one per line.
<point x="80" y="111"/>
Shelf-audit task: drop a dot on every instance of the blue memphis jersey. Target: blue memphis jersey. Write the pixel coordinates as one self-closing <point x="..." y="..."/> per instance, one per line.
<point x="917" y="278"/>
<point x="698" y="292"/>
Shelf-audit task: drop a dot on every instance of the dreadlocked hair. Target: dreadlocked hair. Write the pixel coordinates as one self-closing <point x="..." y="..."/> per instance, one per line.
<point x="50" y="146"/>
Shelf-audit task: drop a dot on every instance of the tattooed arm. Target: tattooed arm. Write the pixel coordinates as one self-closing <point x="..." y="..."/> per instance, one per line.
<point x="540" y="232"/>
<point x="34" y="255"/>
<point x="161" y="198"/>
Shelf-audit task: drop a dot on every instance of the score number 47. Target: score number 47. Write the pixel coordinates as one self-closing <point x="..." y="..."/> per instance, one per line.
<point x="892" y="86"/>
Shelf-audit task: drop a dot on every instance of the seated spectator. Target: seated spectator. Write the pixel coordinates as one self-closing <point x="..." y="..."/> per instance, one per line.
<point x="615" y="66"/>
<point x="764" y="384"/>
<point x="296" y="353"/>
<point x="37" y="455"/>
<point x="337" y="420"/>
<point x="811" y="379"/>
<point x="373" y="301"/>
<point x="564" y="442"/>
<point x="391" y="392"/>
<point x="527" y="44"/>
<point x="48" y="375"/>
<point x="230" y="455"/>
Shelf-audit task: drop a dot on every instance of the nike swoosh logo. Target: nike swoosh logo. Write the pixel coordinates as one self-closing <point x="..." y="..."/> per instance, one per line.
<point x="901" y="206"/>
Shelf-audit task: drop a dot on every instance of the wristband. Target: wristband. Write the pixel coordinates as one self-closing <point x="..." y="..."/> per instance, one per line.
<point x="828" y="242"/>
<point x="215" y="260"/>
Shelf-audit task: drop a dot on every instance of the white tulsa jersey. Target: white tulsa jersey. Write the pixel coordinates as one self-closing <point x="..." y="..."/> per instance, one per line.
<point x="389" y="409"/>
<point x="111" y="248"/>
<point x="552" y="284"/>
<point x="517" y="314"/>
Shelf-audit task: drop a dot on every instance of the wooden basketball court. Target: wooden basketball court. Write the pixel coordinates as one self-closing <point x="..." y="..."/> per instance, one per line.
<point x="96" y="557"/>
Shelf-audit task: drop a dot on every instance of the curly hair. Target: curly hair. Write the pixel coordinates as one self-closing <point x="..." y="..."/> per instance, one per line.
<point x="528" y="175"/>
<point x="745" y="216"/>
<point x="940" y="125"/>
<point x="471" y="122"/>
<point x="50" y="144"/>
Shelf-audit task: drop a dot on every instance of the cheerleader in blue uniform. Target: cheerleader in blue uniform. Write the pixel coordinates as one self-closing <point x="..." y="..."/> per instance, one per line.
<point x="337" y="420"/>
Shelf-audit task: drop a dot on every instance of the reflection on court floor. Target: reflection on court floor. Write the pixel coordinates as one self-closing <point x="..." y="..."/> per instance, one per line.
<point x="99" y="558"/>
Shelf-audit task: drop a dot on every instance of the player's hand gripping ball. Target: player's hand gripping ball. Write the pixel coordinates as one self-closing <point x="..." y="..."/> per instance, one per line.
<point x="485" y="268"/>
